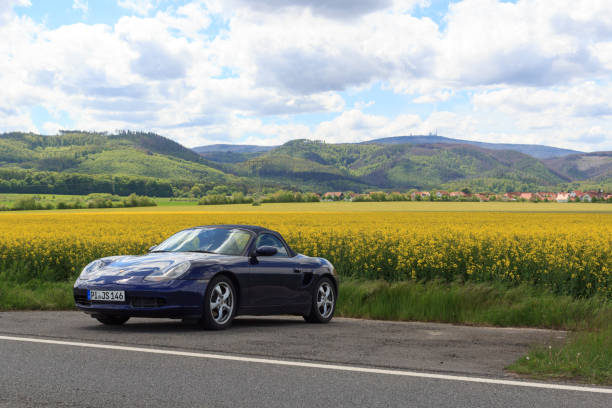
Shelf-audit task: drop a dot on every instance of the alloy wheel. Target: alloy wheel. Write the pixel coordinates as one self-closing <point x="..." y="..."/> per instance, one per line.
<point x="221" y="303"/>
<point x="325" y="300"/>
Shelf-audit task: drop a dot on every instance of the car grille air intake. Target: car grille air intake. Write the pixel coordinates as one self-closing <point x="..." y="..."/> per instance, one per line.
<point x="82" y="300"/>
<point x="139" y="301"/>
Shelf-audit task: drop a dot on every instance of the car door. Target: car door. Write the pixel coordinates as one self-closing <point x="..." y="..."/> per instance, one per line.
<point x="275" y="281"/>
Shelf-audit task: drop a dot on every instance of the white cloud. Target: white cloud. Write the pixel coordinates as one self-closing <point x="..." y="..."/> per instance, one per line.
<point x="142" y="7"/>
<point x="488" y="42"/>
<point x="189" y="20"/>
<point x="567" y="116"/>
<point x="82" y="5"/>
<point x="16" y="120"/>
<point x="355" y="126"/>
<point x="437" y="96"/>
<point x="587" y="99"/>
<point x="51" y="128"/>
<point x="282" y="50"/>
<point x="361" y="105"/>
<point x="6" y="9"/>
<point x="213" y="70"/>
<point x="337" y="9"/>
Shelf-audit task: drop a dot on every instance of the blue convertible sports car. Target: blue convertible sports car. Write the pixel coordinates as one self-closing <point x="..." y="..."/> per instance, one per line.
<point x="211" y="273"/>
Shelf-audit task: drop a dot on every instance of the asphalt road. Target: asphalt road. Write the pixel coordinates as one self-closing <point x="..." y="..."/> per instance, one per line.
<point x="348" y="362"/>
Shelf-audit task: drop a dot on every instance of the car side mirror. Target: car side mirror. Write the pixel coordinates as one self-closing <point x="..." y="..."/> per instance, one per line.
<point x="266" y="251"/>
<point x="152" y="248"/>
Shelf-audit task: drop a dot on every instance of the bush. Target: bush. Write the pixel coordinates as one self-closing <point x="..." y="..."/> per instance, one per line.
<point x="280" y="196"/>
<point x="134" y="200"/>
<point x="217" y="199"/>
<point x="285" y="196"/>
<point x="240" y="198"/>
<point x="76" y="204"/>
<point x="213" y="199"/>
<point x="311" y="198"/>
<point x="100" y="203"/>
<point x="362" y="198"/>
<point x="28" y="204"/>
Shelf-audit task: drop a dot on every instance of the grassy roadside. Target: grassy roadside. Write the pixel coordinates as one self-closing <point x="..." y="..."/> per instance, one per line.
<point x="36" y="295"/>
<point x="471" y="303"/>
<point x="587" y="356"/>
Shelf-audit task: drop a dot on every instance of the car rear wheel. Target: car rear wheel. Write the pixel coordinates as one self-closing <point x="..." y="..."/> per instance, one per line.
<point x="323" y="302"/>
<point x="112" y="319"/>
<point x="219" y="304"/>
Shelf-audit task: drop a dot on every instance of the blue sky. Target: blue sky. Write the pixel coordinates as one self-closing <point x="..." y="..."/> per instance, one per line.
<point x="265" y="72"/>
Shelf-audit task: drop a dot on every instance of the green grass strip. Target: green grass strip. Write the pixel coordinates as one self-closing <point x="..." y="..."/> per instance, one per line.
<point x="36" y="295"/>
<point x="471" y="303"/>
<point x="586" y="357"/>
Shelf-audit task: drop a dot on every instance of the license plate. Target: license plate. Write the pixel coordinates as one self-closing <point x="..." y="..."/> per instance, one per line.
<point x="106" y="295"/>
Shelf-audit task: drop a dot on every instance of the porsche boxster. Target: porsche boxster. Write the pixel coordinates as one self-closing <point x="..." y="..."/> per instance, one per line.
<point x="210" y="274"/>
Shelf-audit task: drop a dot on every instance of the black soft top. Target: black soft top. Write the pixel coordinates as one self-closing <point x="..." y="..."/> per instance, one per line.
<point x="253" y="228"/>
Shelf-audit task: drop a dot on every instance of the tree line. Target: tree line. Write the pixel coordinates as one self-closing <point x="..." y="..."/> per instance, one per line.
<point x="45" y="182"/>
<point x="91" y="201"/>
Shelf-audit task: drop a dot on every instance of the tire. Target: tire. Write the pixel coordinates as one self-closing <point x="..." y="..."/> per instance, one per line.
<point x="220" y="304"/>
<point x="112" y="320"/>
<point x="323" y="302"/>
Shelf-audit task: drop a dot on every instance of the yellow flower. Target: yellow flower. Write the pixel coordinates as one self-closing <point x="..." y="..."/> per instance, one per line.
<point x="569" y="251"/>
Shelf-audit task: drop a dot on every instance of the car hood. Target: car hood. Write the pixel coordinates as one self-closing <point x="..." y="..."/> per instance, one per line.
<point x="125" y="268"/>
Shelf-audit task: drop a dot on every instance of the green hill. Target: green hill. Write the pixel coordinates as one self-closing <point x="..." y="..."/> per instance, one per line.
<point x="146" y="163"/>
<point x="399" y="166"/>
<point x="594" y="166"/>
<point x="135" y="155"/>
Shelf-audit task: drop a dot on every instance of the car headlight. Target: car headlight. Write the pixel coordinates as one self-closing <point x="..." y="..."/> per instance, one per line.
<point x="90" y="268"/>
<point x="174" y="272"/>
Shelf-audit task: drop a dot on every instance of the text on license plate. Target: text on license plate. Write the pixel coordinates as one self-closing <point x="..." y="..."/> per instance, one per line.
<point x="106" y="295"/>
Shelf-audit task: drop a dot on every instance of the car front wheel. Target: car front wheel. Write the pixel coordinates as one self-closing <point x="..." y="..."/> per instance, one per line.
<point x="323" y="302"/>
<point x="219" y="304"/>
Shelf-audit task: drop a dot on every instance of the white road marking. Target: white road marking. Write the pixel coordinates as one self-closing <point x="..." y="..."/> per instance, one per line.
<point x="315" y="365"/>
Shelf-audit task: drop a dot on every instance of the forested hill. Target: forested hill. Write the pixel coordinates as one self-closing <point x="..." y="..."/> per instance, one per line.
<point x="537" y="151"/>
<point x="146" y="163"/>
<point x="533" y="150"/>
<point x="401" y="166"/>
<point x="392" y="164"/>
<point x="585" y="166"/>
<point x="69" y="149"/>
<point x="82" y="162"/>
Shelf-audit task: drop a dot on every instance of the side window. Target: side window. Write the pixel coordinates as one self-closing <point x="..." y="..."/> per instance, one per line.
<point x="271" y="240"/>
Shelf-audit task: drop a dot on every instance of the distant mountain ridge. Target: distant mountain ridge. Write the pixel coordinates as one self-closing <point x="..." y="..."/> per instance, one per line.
<point x="356" y="166"/>
<point x="406" y="162"/>
<point x="534" y="150"/>
<point x="232" y="148"/>
<point x="147" y="163"/>
<point x="584" y="166"/>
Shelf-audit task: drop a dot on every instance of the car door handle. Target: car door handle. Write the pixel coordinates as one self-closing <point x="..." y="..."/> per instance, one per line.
<point x="297" y="270"/>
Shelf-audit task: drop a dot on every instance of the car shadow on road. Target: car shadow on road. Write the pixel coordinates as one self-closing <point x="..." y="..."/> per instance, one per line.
<point x="248" y="322"/>
<point x="164" y="325"/>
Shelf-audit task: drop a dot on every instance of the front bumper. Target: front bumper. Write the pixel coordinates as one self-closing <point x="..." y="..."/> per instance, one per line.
<point x="173" y="299"/>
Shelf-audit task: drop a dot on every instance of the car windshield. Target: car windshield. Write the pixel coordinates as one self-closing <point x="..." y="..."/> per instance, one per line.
<point x="223" y="241"/>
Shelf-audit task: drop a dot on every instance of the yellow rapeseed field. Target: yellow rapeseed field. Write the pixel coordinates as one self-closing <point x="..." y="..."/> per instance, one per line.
<point x="567" y="252"/>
